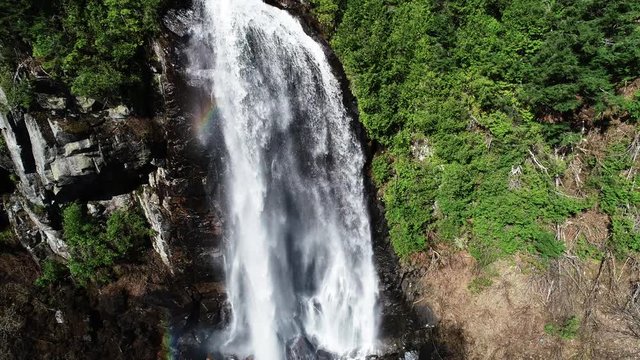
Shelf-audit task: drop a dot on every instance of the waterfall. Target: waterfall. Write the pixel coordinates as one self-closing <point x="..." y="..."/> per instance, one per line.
<point x="299" y="259"/>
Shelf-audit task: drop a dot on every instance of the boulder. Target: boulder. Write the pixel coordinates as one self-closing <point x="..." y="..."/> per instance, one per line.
<point x="85" y="104"/>
<point x="51" y="102"/>
<point x="66" y="168"/>
<point x="119" y="112"/>
<point x="77" y="147"/>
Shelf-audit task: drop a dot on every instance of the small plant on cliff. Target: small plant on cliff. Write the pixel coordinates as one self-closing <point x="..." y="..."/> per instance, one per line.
<point x="52" y="272"/>
<point x="4" y="150"/>
<point x="95" y="247"/>
<point x="381" y="169"/>
<point x="126" y="230"/>
<point x="327" y="13"/>
<point x="7" y="236"/>
<point x="17" y="91"/>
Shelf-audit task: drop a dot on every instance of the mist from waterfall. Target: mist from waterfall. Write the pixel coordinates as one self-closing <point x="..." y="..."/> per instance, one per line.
<point x="299" y="258"/>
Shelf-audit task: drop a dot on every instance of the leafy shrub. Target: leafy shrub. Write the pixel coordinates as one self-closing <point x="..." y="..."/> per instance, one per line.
<point x="409" y="199"/>
<point x="18" y="91"/>
<point x="586" y="250"/>
<point x="327" y="12"/>
<point x="89" y="252"/>
<point x="547" y="246"/>
<point x="567" y="330"/>
<point x="381" y="169"/>
<point x="94" y="248"/>
<point x="625" y="234"/>
<point x="617" y="191"/>
<point x="620" y="197"/>
<point x="479" y="284"/>
<point x="7" y="236"/>
<point x="96" y="81"/>
<point x="52" y="272"/>
<point x="126" y="230"/>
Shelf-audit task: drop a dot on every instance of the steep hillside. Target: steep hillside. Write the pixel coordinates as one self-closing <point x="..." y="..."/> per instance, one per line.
<point x="505" y="133"/>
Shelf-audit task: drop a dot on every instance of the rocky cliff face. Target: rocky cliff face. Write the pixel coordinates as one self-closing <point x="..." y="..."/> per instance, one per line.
<point x="109" y="156"/>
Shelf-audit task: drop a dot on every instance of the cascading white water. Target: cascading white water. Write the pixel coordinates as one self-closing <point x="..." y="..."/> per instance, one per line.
<point x="299" y="259"/>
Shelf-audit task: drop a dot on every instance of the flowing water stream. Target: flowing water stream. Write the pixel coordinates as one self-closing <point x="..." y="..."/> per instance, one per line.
<point x="299" y="255"/>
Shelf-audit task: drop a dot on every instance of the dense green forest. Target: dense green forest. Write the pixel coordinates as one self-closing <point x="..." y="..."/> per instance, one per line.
<point x="479" y="110"/>
<point x="94" y="47"/>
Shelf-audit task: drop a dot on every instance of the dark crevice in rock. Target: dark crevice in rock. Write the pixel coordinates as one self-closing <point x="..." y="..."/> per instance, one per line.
<point x="6" y="183"/>
<point x="18" y="126"/>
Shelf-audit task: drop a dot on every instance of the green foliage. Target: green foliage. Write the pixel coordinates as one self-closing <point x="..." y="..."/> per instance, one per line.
<point x="479" y="284"/>
<point x="409" y="198"/>
<point x="7" y="236"/>
<point x="617" y="190"/>
<point x="472" y="78"/>
<point x="52" y="272"/>
<point x="567" y="330"/>
<point x="585" y="250"/>
<point x="94" y="248"/>
<point x="327" y="13"/>
<point x="89" y="253"/>
<point x="620" y="197"/>
<point x="591" y="49"/>
<point x="94" y="46"/>
<point x="381" y="169"/>
<point x="625" y="234"/>
<point x="17" y="91"/>
<point x="126" y="230"/>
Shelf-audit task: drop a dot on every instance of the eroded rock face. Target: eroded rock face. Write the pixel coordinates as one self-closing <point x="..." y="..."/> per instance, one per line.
<point x="63" y="157"/>
<point x="156" y="211"/>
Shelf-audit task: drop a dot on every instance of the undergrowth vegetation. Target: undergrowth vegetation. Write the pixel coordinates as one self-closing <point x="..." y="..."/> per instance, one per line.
<point x="96" y="247"/>
<point x="619" y="194"/>
<point x="567" y="330"/>
<point x="52" y="272"/>
<point x="477" y="107"/>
